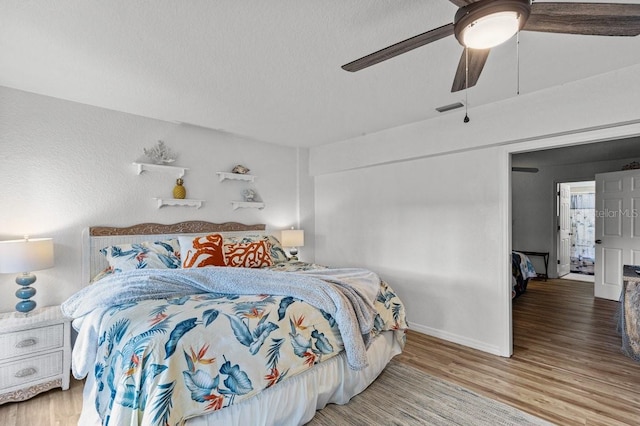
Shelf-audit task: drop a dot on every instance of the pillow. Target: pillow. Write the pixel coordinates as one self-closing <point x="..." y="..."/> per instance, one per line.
<point x="251" y="251"/>
<point x="100" y="275"/>
<point x="201" y="251"/>
<point x="277" y="252"/>
<point x="145" y="255"/>
<point x="256" y="254"/>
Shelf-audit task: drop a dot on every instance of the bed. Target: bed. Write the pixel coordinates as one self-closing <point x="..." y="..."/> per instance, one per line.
<point x="521" y="271"/>
<point x="162" y="339"/>
<point x="629" y="311"/>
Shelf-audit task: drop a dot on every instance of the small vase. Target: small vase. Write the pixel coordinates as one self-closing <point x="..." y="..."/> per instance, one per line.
<point x="179" y="191"/>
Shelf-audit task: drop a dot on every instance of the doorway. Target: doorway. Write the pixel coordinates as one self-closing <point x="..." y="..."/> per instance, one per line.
<point x="581" y="217"/>
<point x="530" y="205"/>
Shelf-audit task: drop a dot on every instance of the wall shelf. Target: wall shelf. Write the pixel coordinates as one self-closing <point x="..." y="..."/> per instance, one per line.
<point x="142" y="167"/>
<point x="178" y="202"/>
<point x="247" y="205"/>
<point x="235" y="176"/>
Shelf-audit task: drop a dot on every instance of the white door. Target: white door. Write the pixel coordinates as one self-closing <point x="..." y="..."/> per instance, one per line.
<point x="617" y="229"/>
<point x="564" y="229"/>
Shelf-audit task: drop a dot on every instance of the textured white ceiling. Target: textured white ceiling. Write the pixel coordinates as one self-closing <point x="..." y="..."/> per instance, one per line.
<point x="270" y="70"/>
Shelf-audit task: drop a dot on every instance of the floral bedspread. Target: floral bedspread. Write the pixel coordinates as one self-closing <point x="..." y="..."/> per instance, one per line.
<point x="521" y="269"/>
<point x="163" y="361"/>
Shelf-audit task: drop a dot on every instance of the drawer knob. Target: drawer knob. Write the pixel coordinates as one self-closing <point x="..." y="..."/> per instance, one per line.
<point x="26" y="372"/>
<point x="26" y="343"/>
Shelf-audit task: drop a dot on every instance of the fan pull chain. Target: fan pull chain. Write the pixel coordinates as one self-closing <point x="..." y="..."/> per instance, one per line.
<point x="466" y="84"/>
<point x="518" y="63"/>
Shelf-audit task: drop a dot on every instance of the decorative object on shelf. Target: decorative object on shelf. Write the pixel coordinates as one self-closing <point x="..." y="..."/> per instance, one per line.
<point x="160" y="154"/>
<point x="292" y="238"/>
<point x="25" y="256"/>
<point x="240" y="169"/>
<point x="251" y="200"/>
<point x="631" y="166"/>
<point x="179" y="191"/>
<point x="249" y="195"/>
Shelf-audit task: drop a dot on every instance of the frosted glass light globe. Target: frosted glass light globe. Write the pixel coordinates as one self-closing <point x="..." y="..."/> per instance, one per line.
<point x="491" y="30"/>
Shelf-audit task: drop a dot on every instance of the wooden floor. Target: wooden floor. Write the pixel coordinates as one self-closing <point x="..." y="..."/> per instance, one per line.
<point x="54" y="407"/>
<point x="567" y="367"/>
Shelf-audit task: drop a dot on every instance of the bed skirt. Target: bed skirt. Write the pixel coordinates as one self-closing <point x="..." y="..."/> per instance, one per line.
<point x="294" y="401"/>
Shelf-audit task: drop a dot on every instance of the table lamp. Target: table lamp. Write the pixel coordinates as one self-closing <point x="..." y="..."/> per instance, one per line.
<point x="25" y="256"/>
<point x="293" y="238"/>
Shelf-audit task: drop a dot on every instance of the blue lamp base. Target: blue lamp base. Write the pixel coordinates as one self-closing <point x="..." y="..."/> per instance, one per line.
<point x="25" y="292"/>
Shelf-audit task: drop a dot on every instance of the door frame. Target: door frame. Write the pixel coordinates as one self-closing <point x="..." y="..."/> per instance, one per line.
<point x="556" y="219"/>
<point x="578" y="137"/>
<point x="557" y="226"/>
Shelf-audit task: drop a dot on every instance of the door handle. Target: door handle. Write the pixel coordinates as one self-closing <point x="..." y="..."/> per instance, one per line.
<point x="598" y="241"/>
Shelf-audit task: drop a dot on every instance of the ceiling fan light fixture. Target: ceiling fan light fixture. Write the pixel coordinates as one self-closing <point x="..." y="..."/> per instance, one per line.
<point x="490" y="31"/>
<point x="485" y="24"/>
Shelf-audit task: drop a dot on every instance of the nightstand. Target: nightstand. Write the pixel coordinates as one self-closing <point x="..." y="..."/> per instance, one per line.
<point x="35" y="353"/>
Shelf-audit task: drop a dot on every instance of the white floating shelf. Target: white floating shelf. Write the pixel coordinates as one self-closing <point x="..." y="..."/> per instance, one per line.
<point x="178" y="202"/>
<point x="235" y="176"/>
<point x="142" y="167"/>
<point x="247" y="205"/>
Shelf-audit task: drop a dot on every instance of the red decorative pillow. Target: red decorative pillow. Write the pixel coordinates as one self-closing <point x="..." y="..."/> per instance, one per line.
<point x="206" y="250"/>
<point x="248" y="255"/>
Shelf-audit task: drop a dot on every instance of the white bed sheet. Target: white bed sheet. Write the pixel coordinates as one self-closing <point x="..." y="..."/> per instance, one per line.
<point x="330" y="382"/>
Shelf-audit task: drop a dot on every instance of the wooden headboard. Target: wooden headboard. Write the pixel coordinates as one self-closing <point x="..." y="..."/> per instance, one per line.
<point x="95" y="238"/>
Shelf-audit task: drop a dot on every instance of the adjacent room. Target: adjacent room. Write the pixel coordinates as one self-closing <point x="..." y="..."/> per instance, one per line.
<point x="171" y="169"/>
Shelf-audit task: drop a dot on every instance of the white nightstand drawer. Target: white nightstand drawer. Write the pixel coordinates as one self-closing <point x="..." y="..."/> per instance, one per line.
<point x="29" y="370"/>
<point x="35" y="353"/>
<point x="27" y="342"/>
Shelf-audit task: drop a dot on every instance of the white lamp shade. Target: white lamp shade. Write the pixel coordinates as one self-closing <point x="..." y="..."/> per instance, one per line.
<point x="26" y="255"/>
<point x="292" y="238"/>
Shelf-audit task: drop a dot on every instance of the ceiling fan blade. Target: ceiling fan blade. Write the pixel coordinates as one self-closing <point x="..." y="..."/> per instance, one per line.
<point x="525" y="169"/>
<point x="477" y="59"/>
<point x="605" y="19"/>
<point x="399" y="48"/>
<point x="462" y="3"/>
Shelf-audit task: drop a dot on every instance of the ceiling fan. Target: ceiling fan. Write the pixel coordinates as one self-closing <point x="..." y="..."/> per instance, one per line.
<point x="479" y="25"/>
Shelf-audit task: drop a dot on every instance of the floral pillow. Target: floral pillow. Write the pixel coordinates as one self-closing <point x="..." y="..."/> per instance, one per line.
<point x="248" y="255"/>
<point x="145" y="255"/>
<point x="215" y="250"/>
<point x="276" y="251"/>
<point x="102" y="274"/>
<point x="201" y="251"/>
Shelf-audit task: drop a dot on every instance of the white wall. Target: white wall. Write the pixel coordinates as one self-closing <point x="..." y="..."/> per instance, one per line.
<point x="428" y="228"/>
<point x="593" y="103"/>
<point x="534" y="205"/>
<point x="65" y="166"/>
<point x="393" y="201"/>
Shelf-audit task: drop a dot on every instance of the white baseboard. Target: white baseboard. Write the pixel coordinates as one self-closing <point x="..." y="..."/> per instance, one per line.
<point x="461" y="340"/>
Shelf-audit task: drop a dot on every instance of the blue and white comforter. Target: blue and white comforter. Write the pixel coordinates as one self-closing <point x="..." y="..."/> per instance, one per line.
<point x="166" y="345"/>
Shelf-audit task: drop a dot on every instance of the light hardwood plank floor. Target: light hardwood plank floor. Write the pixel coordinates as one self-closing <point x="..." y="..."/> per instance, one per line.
<point x="566" y="368"/>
